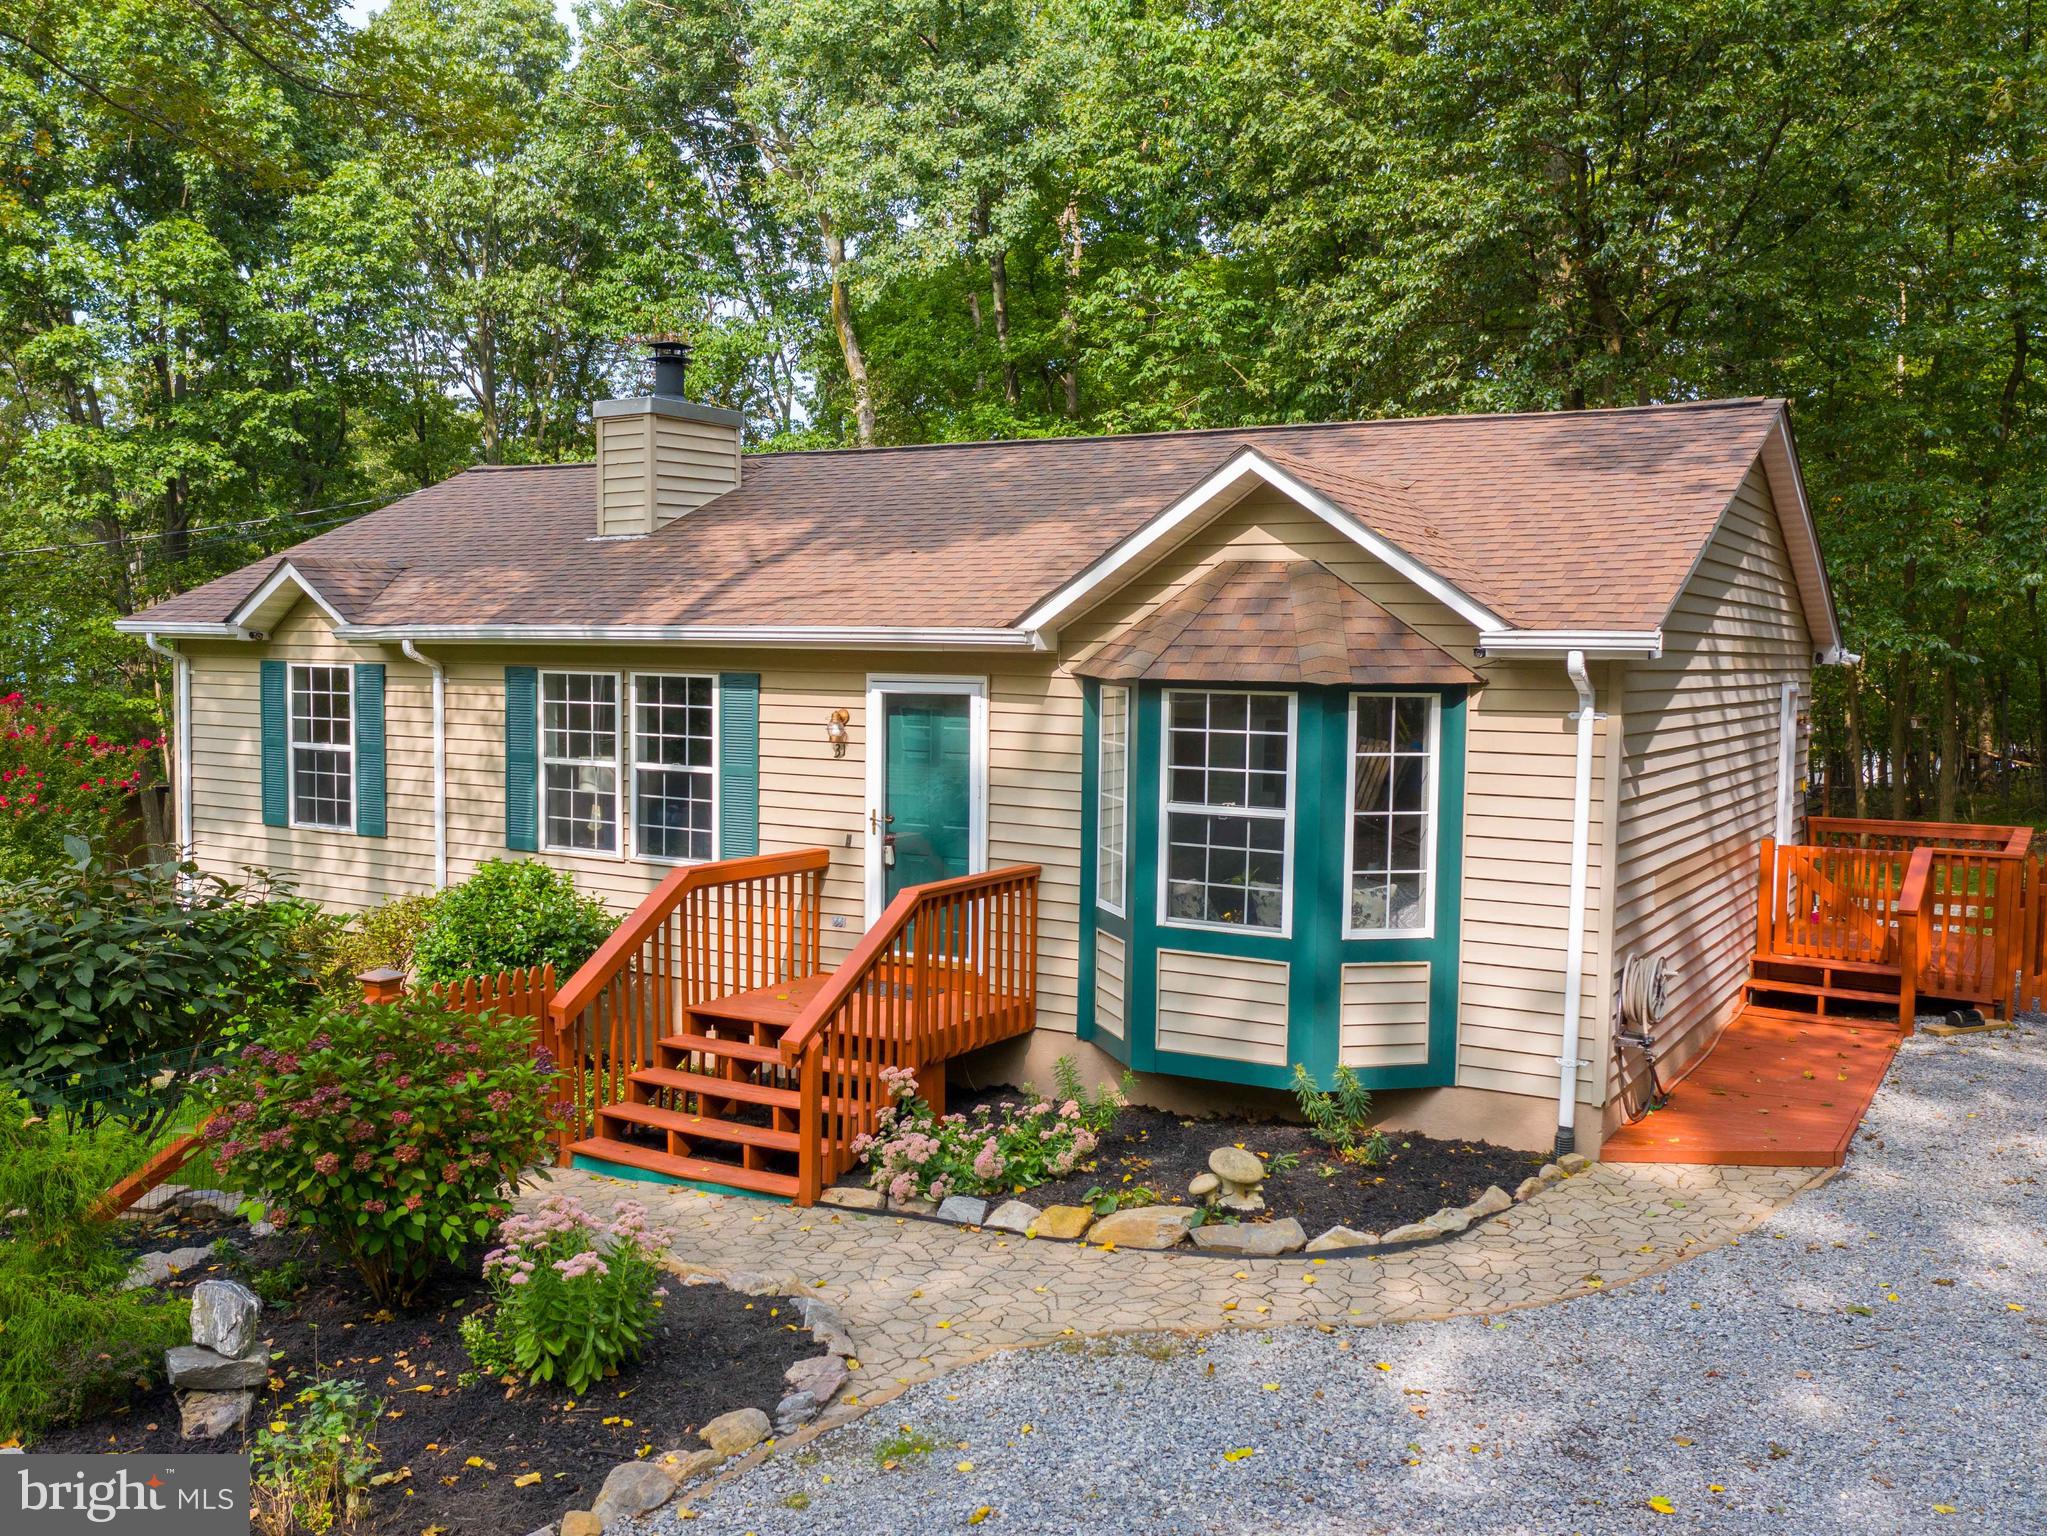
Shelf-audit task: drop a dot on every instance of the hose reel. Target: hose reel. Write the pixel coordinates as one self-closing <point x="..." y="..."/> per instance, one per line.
<point x="1646" y="982"/>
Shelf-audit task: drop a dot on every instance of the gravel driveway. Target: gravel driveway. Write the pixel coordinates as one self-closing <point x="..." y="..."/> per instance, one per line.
<point x="1871" y="1361"/>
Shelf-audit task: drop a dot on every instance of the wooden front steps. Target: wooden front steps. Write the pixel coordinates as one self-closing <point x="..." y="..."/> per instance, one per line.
<point x="1823" y="987"/>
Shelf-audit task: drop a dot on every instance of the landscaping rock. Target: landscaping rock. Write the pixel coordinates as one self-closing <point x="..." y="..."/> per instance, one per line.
<point x="218" y="1200"/>
<point x="1529" y="1186"/>
<point x="912" y="1207"/>
<point x="1066" y="1221"/>
<point x="820" y="1376"/>
<point x="1013" y="1216"/>
<point x="224" y="1316"/>
<point x="262" y="1229"/>
<point x="827" y="1325"/>
<point x="580" y="1522"/>
<point x="737" y="1432"/>
<point x="1491" y="1203"/>
<point x="1242" y="1204"/>
<point x="1342" y="1237"/>
<point x="209" y="1415"/>
<point x="1236" y="1165"/>
<point x="1413" y="1232"/>
<point x="688" y="1466"/>
<point x="155" y="1268"/>
<point x="1550" y="1173"/>
<point x="1450" y="1218"/>
<point x="632" y="1488"/>
<point x="1149" y="1226"/>
<point x="194" y="1368"/>
<point x="793" y="1412"/>
<point x="1256" y="1240"/>
<point x="1574" y="1162"/>
<point x="853" y="1199"/>
<point x="1202" y="1185"/>
<point x="964" y="1209"/>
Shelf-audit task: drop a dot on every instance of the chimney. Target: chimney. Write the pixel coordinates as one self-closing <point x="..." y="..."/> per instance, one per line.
<point x="661" y="455"/>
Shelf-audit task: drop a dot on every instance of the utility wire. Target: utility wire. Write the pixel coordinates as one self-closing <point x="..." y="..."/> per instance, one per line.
<point x="201" y="536"/>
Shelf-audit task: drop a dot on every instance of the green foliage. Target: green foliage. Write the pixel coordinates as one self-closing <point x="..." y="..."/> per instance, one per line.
<point x="60" y="781"/>
<point x="1340" y="1117"/>
<point x="510" y="914"/>
<point x="117" y="977"/>
<point x="312" y="1463"/>
<point x="906" y="1444"/>
<point x="1097" y="1110"/>
<point x="575" y="1296"/>
<point x="71" y="1342"/>
<point x="385" y="935"/>
<point x="1128" y="1197"/>
<point x="396" y="1132"/>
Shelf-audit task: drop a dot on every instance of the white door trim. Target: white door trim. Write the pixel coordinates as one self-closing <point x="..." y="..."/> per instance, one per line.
<point x="975" y="690"/>
<point x="1787" y="762"/>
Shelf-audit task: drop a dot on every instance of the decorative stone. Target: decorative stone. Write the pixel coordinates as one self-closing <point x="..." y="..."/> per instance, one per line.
<point x="1202" y="1185"/>
<point x="1574" y="1162"/>
<point x="1491" y="1203"/>
<point x="827" y="1325"/>
<point x="1149" y="1226"/>
<point x="192" y="1367"/>
<point x="1236" y="1165"/>
<point x="216" y="1200"/>
<point x="1341" y="1237"/>
<point x="1550" y="1173"/>
<point x="1013" y="1216"/>
<point x="209" y="1415"/>
<point x="737" y="1432"/>
<point x="820" y="1376"/>
<point x="1242" y="1204"/>
<point x="964" y="1209"/>
<point x="1063" y="1221"/>
<point x="156" y="1268"/>
<point x="1528" y="1187"/>
<point x="1451" y="1218"/>
<point x="224" y="1316"/>
<point x="853" y="1199"/>
<point x="793" y="1412"/>
<point x="912" y="1207"/>
<point x="1259" y="1240"/>
<point x="632" y="1488"/>
<point x="1413" y="1232"/>
<point x="688" y="1466"/>
<point x="262" y="1229"/>
<point x="580" y="1522"/>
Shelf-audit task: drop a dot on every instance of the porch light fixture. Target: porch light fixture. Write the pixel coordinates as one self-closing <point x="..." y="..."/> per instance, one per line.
<point x="835" y="731"/>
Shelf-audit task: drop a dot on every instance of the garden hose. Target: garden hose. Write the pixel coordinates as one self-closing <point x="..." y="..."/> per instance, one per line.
<point x="1644" y="999"/>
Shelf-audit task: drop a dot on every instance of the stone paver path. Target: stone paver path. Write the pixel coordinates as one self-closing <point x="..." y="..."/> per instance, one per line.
<point x="921" y="1298"/>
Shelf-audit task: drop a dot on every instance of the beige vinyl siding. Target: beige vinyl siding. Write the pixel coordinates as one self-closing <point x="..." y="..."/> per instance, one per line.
<point x="1699" y="772"/>
<point x="623" y="487"/>
<point x="1384" y="1014"/>
<point x="1109" y="959"/>
<point x="1223" y="1006"/>
<point x="808" y="798"/>
<point x="693" y="461"/>
<point x="1519" y="757"/>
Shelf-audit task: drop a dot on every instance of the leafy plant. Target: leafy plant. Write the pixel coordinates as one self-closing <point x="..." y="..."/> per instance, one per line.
<point x="1129" y="1197"/>
<point x="906" y="1444"/>
<point x="313" y="1474"/>
<point x="575" y="1297"/>
<point x="385" y="935"/>
<point x="508" y="915"/>
<point x="59" y="780"/>
<point x="397" y="1132"/>
<point x="71" y="1341"/>
<point x="1283" y="1162"/>
<point x="1341" y="1117"/>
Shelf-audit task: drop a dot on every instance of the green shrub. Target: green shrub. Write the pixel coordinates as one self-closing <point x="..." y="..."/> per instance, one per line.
<point x="508" y="915"/>
<point x="396" y="1132"/>
<point x="120" y="981"/>
<point x="385" y="935"/>
<point x="71" y="1342"/>
<point x="59" y="780"/>
<point x="575" y="1296"/>
<point x="313" y="1474"/>
<point x="1341" y="1117"/>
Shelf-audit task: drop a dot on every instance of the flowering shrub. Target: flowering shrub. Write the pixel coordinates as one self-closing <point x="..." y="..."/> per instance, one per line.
<point x="916" y="1154"/>
<point x="575" y="1296"/>
<point x="56" y="779"/>
<point x="397" y="1132"/>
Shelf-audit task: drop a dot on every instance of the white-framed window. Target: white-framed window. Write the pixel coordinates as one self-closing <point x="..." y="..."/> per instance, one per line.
<point x="1112" y="799"/>
<point x="675" y="753"/>
<point x="1228" y="813"/>
<point x="580" y="744"/>
<point x="322" y="747"/>
<point x="1390" y="874"/>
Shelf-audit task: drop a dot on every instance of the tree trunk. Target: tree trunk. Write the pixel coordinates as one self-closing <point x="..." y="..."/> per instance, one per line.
<point x="1856" y="776"/>
<point x="849" y="339"/>
<point x="1948" y="782"/>
<point x="998" y="284"/>
<point x="1069" y="321"/>
<point x="1901" y="740"/>
<point x="2039" y="697"/>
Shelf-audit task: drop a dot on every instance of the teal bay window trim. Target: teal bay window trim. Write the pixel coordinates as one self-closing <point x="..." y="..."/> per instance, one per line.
<point x="1319" y="945"/>
<point x="1168" y="807"/>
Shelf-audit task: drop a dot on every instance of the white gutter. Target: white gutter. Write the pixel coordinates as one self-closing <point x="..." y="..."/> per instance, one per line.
<point x="1619" y="644"/>
<point x="181" y="667"/>
<point x="1574" y="939"/>
<point x="440" y="677"/>
<point x="185" y="631"/>
<point x="692" y="634"/>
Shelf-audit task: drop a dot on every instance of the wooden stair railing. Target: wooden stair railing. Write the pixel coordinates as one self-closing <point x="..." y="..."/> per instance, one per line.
<point x="707" y="931"/>
<point x="1915" y="916"/>
<point x="950" y="966"/>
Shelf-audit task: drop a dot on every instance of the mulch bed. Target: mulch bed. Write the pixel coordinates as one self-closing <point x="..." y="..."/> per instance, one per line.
<point x="712" y="1351"/>
<point x="1164" y="1152"/>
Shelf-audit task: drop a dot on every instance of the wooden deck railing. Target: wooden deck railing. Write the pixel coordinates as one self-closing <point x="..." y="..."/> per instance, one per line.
<point x="707" y="931"/>
<point x="1904" y="836"/>
<point x="949" y="967"/>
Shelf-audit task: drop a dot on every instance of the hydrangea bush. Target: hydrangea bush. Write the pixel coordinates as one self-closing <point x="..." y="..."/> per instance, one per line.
<point x="1010" y="1145"/>
<point x="396" y="1131"/>
<point x="575" y="1296"/>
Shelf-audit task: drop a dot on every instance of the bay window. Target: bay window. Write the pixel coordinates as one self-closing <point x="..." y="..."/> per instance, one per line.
<point x="1392" y="813"/>
<point x="1228" y="809"/>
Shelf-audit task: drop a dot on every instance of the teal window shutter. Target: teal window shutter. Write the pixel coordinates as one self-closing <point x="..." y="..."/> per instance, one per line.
<point x="739" y="764"/>
<point x="369" y="749"/>
<point x="522" y="759"/>
<point x="276" y="746"/>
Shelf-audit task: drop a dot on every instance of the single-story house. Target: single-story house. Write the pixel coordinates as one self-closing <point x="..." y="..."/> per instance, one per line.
<point x="1378" y="743"/>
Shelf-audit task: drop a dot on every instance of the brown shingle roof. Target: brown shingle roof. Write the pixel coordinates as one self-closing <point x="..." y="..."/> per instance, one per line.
<point x="1273" y="621"/>
<point x="1587" y="519"/>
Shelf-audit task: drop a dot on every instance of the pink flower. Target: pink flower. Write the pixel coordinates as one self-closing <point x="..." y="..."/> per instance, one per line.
<point x="326" y="1163"/>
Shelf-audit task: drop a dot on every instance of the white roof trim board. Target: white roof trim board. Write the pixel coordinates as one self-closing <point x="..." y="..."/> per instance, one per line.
<point x="253" y="606"/>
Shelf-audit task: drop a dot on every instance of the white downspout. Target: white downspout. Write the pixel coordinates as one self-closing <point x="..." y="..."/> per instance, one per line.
<point x="1574" y="940"/>
<point x="181" y="725"/>
<point x="440" y="677"/>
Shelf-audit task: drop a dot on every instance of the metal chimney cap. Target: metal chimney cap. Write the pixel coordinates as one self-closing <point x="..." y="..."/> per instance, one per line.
<point x="670" y="357"/>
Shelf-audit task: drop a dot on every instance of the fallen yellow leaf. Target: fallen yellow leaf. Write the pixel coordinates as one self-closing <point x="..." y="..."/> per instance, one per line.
<point x="1240" y="1453"/>
<point x="963" y="1466"/>
<point x="979" y="1515"/>
<point x="526" y="1480"/>
<point x="1661" y="1505"/>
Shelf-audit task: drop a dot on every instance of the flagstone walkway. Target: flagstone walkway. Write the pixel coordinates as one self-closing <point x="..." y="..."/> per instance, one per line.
<point x="921" y="1298"/>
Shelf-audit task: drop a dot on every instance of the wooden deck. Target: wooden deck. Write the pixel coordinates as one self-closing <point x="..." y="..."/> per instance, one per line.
<point x="1778" y="1090"/>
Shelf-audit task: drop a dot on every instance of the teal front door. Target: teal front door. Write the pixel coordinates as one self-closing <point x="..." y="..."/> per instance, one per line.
<point x="927" y="789"/>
